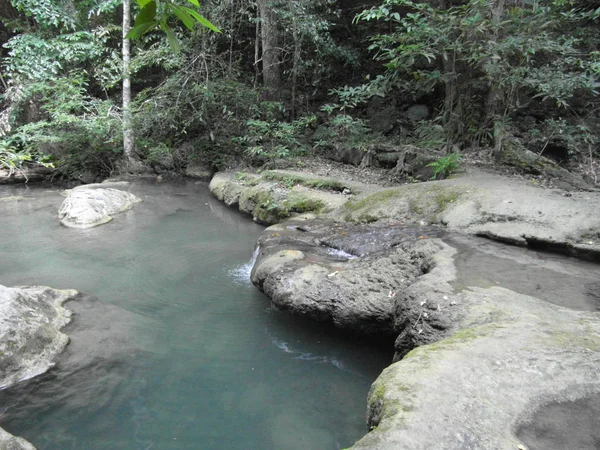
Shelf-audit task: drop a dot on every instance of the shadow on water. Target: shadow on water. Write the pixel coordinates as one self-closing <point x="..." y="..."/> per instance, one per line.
<point x="174" y="348"/>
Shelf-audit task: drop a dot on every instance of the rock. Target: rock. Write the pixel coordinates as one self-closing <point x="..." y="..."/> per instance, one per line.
<point x="472" y="390"/>
<point x="198" y="170"/>
<point x="350" y="275"/>
<point x="417" y="112"/>
<point x="90" y="207"/>
<point x="31" y="319"/>
<point x="507" y="210"/>
<point x="10" y="442"/>
<point x="514" y="154"/>
<point x="345" y="154"/>
<point x="276" y="195"/>
<point x="30" y="336"/>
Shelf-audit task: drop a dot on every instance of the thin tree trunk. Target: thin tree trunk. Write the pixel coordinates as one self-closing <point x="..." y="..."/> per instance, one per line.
<point x="257" y="48"/>
<point x="128" y="136"/>
<point x="495" y="94"/>
<point x="296" y="61"/>
<point x="271" y="70"/>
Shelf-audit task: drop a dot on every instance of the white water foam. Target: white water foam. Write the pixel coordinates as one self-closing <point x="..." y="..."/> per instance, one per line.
<point x="340" y="253"/>
<point x="241" y="274"/>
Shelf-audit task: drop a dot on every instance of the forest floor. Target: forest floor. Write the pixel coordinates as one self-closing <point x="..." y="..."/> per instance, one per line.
<point x="319" y="165"/>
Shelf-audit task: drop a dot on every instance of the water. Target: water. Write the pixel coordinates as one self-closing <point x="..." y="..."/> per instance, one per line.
<point x="172" y="348"/>
<point x="554" y="278"/>
<point x="564" y="425"/>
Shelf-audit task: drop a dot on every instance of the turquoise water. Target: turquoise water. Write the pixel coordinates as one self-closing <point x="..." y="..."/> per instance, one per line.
<point x="171" y="346"/>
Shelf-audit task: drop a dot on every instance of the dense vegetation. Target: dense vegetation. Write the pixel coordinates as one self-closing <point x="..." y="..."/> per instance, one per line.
<point x="290" y="77"/>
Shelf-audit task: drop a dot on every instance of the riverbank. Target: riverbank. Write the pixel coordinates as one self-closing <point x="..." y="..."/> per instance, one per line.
<point x="460" y="352"/>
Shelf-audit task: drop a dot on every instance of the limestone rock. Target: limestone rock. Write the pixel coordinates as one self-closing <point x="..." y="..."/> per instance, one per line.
<point x="30" y="336"/>
<point x="198" y="170"/>
<point x="350" y="275"/>
<point x="10" y="442"/>
<point x="475" y="388"/>
<point x="90" y="207"/>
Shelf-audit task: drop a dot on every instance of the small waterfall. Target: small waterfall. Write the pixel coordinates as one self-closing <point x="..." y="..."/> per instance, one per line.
<point x="241" y="274"/>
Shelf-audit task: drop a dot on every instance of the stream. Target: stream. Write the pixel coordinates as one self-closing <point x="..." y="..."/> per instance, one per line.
<point x="171" y="346"/>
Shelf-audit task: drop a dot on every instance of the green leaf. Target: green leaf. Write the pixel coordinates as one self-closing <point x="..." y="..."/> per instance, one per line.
<point x="146" y="15"/>
<point x="201" y="19"/>
<point x="141" y="29"/>
<point x="143" y="3"/>
<point x="186" y="18"/>
<point x="196" y="3"/>
<point x="171" y="38"/>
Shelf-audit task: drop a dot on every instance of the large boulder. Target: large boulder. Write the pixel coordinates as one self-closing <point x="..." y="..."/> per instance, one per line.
<point x="30" y="336"/>
<point x="514" y="354"/>
<point x="351" y="275"/>
<point x="90" y="207"/>
<point x="31" y="319"/>
<point x="10" y="442"/>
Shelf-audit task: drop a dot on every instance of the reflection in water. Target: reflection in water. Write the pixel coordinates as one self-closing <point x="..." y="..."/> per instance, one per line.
<point x="176" y="349"/>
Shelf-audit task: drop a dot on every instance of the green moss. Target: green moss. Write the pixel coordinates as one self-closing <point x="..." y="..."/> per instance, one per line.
<point x="372" y="200"/>
<point x="426" y="203"/>
<point x="590" y="341"/>
<point x="269" y="211"/>
<point x="290" y="180"/>
<point x="443" y="199"/>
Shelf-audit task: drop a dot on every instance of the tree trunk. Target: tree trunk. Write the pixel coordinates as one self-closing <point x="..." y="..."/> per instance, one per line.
<point x="495" y="95"/>
<point x="128" y="136"/>
<point x="296" y="61"/>
<point x="271" y="71"/>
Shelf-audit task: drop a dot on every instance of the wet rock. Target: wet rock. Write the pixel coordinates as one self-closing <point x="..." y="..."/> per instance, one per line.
<point x="31" y="319"/>
<point x="10" y="442"/>
<point x="351" y="275"/>
<point x="199" y="171"/>
<point x="30" y="336"/>
<point x="90" y="207"/>
<point x="37" y="173"/>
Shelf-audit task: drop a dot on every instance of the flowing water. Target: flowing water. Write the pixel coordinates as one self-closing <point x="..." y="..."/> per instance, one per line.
<point x="171" y="346"/>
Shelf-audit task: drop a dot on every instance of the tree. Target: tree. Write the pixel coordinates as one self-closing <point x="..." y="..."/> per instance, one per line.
<point x="270" y="59"/>
<point x="128" y="135"/>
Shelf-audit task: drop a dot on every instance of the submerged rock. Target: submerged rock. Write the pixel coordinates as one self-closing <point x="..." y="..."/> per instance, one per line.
<point x="10" y="442"/>
<point x="30" y="338"/>
<point x="87" y="208"/>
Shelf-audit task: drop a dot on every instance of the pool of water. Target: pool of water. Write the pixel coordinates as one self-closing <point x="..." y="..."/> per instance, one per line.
<point x="564" y="425"/>
<point x="171" y="346"/>
<point x="554" y="278"/>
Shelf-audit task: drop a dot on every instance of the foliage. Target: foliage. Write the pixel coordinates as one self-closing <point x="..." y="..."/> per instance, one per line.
<point x="80" y="131"/>
<point x="152" y="16"/>
<point x="273" y="139"/>
<point x="445" y="166"/>
<point x="490" y="61"/>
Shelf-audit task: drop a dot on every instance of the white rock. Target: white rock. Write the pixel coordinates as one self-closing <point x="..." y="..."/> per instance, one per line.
<point x="87" y="208"/>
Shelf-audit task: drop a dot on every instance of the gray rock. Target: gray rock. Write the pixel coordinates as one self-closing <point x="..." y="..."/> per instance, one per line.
<point x="417" y="112"/>
<point x="30" y="337"/>
<point x="198" y="170"/>
<point x="10" y="442"/>
<point x="90" y="207"/>
<point x="474" y="389"/>
<point x="31" y="319"/>
<point x="350" y="275"/>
